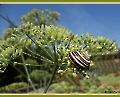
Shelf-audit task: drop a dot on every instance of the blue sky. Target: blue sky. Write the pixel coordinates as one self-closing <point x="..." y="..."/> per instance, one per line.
<point x="97" y="19"/>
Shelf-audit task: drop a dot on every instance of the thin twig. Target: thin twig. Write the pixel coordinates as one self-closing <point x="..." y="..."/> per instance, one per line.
<point x="42" y="57"/>
<point x="27" y="73"/>
<point x="8" y="20"/>
<point x="40" y="47"/>
<point x="51" y="79"/>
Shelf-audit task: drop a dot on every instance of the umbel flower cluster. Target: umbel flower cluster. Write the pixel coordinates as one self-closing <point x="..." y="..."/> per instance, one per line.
<point x="55" y="42"/>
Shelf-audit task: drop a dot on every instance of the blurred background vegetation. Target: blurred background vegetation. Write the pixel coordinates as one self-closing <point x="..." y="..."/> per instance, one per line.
<point x="105" y="76"/>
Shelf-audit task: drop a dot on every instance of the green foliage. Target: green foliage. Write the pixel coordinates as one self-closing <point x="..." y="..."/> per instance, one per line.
<point x="100" y="89"/>
<point x="104" y="83"/>
<point x="110" y="79"/>
<point x="62" y="87"/>
<point x="39" y="17"/>
<point x="89" y="84"/>
<point x="37" y="75"/>
<point x="12" y="87"/>
<point x="93" y="85"/>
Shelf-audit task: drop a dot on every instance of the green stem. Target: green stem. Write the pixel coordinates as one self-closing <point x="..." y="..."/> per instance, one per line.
<point x="42" y="57"/>
<point x="85" y="46"/>
<point x="19" y="70"/>
<point x="44" y="78"/>
<point x="45" y="60"/>
<point x="35" y="65"/>
<point x="51" y="79"/>
<point x="41" y="47"/>
<point x="54" y="72"/>
<point x="28" y="76"/>
<point x="71" y="81"/>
